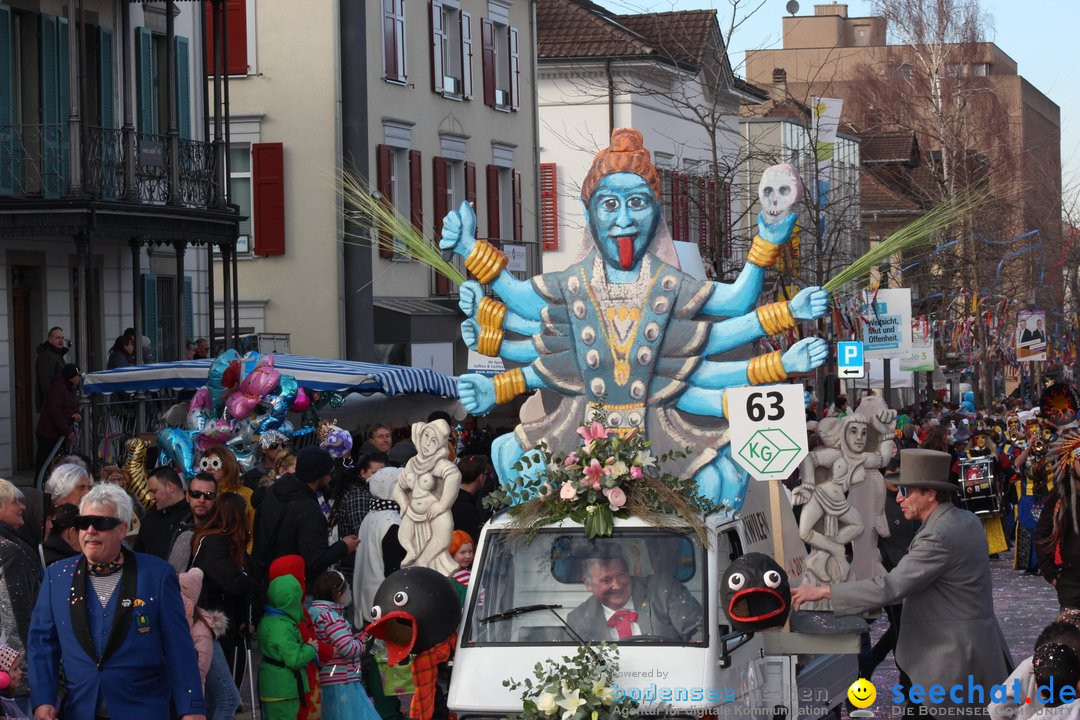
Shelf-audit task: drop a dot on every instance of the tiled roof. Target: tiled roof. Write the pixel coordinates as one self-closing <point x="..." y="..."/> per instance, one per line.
<point x="583" y="29"/>
<point x="890" y="147"/>
<point x="682" y="36"/>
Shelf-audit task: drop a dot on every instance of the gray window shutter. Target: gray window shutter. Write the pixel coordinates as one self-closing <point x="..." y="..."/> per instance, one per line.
<point x="51" y="174"/>
<point x="183" y="88"/>
<point x="145" y="65"/>
<point x="107" y="81"/>
<point x="189" y="311"/>
<point x="149" y="304"/>
<point x="8" y="166"/>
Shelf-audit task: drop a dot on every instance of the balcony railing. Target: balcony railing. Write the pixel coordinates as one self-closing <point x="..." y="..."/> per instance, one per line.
<point x="35" y="162"/>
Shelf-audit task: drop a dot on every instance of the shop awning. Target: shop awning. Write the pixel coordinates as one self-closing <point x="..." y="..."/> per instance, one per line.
<point x="310" y="372"/>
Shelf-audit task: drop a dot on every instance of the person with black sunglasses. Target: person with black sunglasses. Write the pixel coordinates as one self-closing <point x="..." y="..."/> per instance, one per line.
<point x="201" y="494"/>
<point x="150" y="669"/>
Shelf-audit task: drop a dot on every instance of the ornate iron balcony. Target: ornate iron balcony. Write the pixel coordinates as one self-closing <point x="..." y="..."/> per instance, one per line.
<point x="35" y="163"/>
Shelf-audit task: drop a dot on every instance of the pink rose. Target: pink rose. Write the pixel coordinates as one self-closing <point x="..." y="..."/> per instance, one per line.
<point x="571" y="459"/>
<point x="568" y="491"/>
<point x="616" y="497"/>
<point x="636" y="473"/>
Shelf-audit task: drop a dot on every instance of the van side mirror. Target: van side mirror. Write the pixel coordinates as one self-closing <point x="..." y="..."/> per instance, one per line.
<point x="731" y="642"/>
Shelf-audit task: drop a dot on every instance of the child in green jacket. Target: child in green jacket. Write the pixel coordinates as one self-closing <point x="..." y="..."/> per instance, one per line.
<point x="282" y="678"/>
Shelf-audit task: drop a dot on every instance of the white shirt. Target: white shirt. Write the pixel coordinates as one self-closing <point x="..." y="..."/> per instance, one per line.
<point x="635" y="629"/>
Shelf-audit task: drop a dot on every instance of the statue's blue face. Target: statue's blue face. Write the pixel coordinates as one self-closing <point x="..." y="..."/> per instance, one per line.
<point x="623" y="214"/>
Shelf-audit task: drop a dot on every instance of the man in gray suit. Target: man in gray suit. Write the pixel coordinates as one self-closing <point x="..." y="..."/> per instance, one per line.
<point x="622" y="606"/>
<point x="948" y="630"/>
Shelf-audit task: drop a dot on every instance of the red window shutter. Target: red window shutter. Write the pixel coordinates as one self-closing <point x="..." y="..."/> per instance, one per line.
<point x="516" y="177"/>
<point x="487" y="39"/>
<point x="438" y="37"/>
<point x="236" y="27"/>
<point x="515" y="70"/>
<point x="681" y="197"/>
<point x="494" y="227"/>
<point x="441" y="167"/>
<point x="390" y="50"/>
<point x="416" y="191"/>
<point x="268" y="197"/>
<point x="703" y="216"/>
<point x="466" y="56"/>
<point x="725" y="229"/>
<point x="549" y="207"/>
<point x="441" y="181"/>
<point x="470" y="183"/>
<point x="384" y="159"/>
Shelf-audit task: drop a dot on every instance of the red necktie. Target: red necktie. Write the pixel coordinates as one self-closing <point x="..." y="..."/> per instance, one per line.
<point x="621" y="620"/>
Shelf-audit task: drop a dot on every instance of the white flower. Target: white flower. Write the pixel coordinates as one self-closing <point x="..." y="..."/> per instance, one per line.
<point x="546" y="703"/>
<point x="645" y="459"/>
<point x="618" y="468"/>
<point x="570" y="702"/>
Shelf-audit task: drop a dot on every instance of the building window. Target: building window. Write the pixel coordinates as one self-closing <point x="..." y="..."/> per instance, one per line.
<point x="502" y="65"/>
<point x="981" y="69"/>
<point x="451" y="50"/>
<point x="400" y="182"/>
<point x="240" y="193"/>
<point x="549" y="206"/>
<point x="394" y="40"/>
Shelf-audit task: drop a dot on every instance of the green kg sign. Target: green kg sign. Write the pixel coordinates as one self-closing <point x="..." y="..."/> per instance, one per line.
<point x="769" y="451"/>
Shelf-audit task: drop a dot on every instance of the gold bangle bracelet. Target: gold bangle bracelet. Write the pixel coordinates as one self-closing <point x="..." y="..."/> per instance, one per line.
<point x="491" y="313"/>
<point x="765" y="369"/>
<point x="508" y="385"/>
<point x="485" y="262"/>
<point x="763" y="253"/>
<point x="775" y="317"/>
<point x="490" y="341"/>
<point x="723" y="404"/>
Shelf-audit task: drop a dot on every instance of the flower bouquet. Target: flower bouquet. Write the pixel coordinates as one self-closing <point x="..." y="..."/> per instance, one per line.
<point x="577" y="688"/>
<point x="610" y="475"/>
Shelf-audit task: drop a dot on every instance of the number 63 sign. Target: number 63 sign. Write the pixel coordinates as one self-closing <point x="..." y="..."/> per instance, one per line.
<point x="768" y="429"/>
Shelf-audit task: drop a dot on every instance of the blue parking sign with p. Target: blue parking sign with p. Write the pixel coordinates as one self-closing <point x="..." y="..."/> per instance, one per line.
<point x="849" y="359"/>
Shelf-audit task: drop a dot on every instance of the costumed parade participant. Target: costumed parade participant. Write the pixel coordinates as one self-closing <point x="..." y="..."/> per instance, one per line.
<point x="976" y="471"/>
<point x="1035" y="483"/>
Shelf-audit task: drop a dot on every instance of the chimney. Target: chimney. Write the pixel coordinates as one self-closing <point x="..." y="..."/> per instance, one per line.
<point x="831" y="9"/>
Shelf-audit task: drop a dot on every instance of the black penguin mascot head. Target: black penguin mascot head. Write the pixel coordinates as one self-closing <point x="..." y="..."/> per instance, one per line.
<point x="755" y="593"/>
<point x="414" y="610"/>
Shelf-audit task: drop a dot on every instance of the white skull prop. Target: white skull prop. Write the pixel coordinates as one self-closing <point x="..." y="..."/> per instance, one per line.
<point x="779" y="189"/>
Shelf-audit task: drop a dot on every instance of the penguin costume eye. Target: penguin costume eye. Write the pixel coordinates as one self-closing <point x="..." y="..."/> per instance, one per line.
<point x="401" y="598"/>
<point x="772" y="579"/>
<point x="736" y="581"/>
<point x="376" y="612"/>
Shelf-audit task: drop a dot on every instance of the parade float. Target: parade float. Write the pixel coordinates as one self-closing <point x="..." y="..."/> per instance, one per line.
<point x="620" y="487"/>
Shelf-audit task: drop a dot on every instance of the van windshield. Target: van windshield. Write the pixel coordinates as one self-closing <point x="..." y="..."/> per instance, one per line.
<point x="644" y="585"/>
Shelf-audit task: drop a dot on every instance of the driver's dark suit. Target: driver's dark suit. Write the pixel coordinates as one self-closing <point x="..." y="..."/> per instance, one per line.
<point x="664" y="606"/>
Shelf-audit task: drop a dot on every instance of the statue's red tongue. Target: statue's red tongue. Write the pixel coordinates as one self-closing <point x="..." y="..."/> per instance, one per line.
<point x="626" y="251"/>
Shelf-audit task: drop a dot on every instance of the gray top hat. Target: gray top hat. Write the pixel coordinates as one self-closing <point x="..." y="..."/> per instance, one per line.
<point x="926" y="469"/>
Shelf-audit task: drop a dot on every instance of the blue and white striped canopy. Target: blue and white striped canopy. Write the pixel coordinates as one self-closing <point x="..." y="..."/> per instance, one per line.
<point x="310" y="372"/>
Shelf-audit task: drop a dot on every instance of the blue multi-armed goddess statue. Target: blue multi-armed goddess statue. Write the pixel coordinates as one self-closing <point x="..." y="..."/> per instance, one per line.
<point x="626" y="330"/>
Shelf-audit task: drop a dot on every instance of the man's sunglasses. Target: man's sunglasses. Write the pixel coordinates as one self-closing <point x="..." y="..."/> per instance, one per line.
<point x="274" y="446"/>
<point x="902" y="490"/>
<point x="101" y="523"/>
<point x="204" y="494"/>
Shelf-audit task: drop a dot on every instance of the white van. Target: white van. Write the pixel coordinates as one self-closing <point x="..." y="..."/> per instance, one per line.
<point x="522" y="592"/>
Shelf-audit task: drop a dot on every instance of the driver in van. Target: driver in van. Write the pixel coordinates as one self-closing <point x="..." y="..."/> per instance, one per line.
<point x="624" y="606"/>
